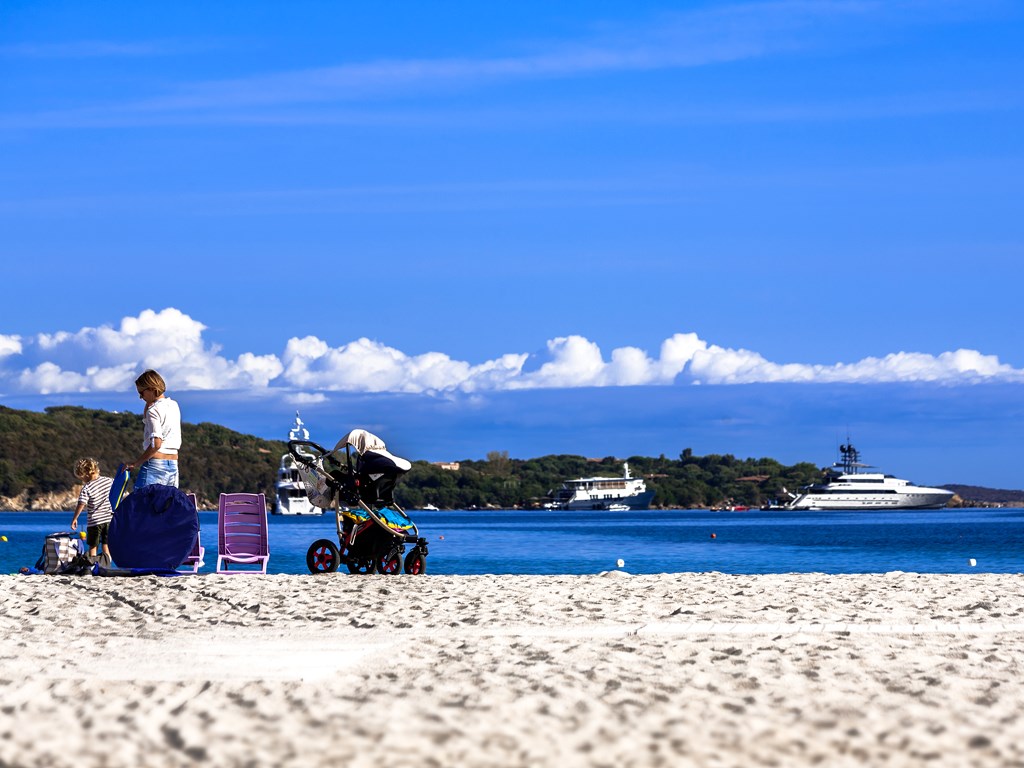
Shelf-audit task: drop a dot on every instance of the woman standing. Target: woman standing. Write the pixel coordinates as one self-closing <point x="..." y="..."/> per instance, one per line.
<point x="158" y="462"/>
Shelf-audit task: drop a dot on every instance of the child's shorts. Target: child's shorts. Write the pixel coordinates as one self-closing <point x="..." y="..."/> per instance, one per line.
<point x="96" y="534"/>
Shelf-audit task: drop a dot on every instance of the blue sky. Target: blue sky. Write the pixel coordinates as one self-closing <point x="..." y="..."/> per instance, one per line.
<point x="601" y="228"/>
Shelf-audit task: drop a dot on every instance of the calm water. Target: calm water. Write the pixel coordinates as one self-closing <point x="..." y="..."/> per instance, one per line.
<point x="649" y="541"/>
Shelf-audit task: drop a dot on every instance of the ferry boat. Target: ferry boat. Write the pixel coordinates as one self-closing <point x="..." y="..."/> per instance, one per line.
<point x="845" y="487"/>
<point x="616" y="493"/>
<point x="289" y="489"/>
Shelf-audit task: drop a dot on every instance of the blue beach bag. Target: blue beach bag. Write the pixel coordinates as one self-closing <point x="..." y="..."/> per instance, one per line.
<point x="153" y="528"/>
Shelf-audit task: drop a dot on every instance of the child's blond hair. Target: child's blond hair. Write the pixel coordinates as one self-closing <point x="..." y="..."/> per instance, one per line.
<point x="86" y="469"/>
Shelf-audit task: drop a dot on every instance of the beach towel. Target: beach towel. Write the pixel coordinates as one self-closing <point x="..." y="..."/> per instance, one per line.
<point x="394" y="520"/>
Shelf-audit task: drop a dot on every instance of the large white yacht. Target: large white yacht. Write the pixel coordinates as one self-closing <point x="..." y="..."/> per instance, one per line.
<point x="845" y="487"/>
<point x="289" y="489"/>
<point x="603" y="493"/>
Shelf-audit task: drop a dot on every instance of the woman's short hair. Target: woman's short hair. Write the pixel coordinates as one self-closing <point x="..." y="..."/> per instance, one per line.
<point x="86" y="468"/>
<point x="151" y="380"/>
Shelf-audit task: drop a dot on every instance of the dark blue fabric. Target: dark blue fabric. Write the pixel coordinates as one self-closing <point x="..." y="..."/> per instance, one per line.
<point x="101" y="571"/>
<point x="153" y="528"/>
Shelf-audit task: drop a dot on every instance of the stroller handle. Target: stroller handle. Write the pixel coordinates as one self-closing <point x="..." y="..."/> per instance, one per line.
<point x="303" y="457"/>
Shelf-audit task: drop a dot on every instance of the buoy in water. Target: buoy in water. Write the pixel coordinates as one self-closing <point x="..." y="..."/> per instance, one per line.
<point x="714" y="535"/>
<point x="3" y="538"/>
<point x="972" y="562"/>
<point x="620" y="562"/>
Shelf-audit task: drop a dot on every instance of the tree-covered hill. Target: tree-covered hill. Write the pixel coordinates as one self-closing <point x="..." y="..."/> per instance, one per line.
<point x="688" y="481"/>
<point x="38" y="452"/>
<point x="987" y="496"/>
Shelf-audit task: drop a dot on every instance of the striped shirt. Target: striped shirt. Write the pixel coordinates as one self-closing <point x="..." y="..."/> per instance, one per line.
<point x="96" y="497"/>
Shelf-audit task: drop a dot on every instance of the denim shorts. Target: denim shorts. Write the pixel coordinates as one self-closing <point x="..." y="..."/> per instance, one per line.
<point x="157" y="472"/>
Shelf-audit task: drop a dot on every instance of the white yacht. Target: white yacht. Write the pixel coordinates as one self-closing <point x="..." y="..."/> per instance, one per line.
<point x="617" y="493"/>
<point x="289" y="489"/>
<point x="845" y="487"/>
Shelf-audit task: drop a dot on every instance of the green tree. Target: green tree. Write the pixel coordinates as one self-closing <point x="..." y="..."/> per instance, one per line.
<point x="38" y="451"/>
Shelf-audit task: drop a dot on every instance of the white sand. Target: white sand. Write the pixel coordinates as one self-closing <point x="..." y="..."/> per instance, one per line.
<point x="604" y="670"/>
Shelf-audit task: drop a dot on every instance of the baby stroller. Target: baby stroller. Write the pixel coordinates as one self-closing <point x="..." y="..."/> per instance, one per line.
<point x="372" y="529"/>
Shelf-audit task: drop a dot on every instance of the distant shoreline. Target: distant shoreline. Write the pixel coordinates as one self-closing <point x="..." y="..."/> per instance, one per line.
<point x="951" y="508"/>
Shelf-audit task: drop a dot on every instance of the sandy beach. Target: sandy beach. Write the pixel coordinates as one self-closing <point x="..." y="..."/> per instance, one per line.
<point x="605" y="670"/>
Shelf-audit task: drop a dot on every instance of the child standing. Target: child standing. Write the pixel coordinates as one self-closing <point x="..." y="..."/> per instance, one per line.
<point x="95" y="497"/>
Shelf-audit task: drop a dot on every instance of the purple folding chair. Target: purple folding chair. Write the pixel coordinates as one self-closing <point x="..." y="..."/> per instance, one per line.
<point x="194" y="560"/>
<point x="242" y="532"/>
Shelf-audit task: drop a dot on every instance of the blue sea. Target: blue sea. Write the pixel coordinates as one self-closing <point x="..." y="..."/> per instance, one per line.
<point x="653" y="541"/>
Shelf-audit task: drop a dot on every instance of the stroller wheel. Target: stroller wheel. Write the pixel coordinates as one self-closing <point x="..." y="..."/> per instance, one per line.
<point x="322" y="556"/>
<point x="391" y="562"/>
<point x="415" y="562"/>
<point x="361" y="566"/>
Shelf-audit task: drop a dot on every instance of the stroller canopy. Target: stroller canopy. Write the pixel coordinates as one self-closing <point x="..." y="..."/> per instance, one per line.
<point x="362" y="441"/>
<point x="366" y="442"/>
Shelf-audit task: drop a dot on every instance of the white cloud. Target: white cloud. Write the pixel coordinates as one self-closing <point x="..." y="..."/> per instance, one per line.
<point x="108" y="358"/>
<point x="963" y="365"/>
<point x="9" y="345"/>
<point x="369" y="366"/>
<point x="575" y="362"/>
<point x="306" y="398"/>
<point x="47" y="379"/>
<point x="631" y="366"/>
